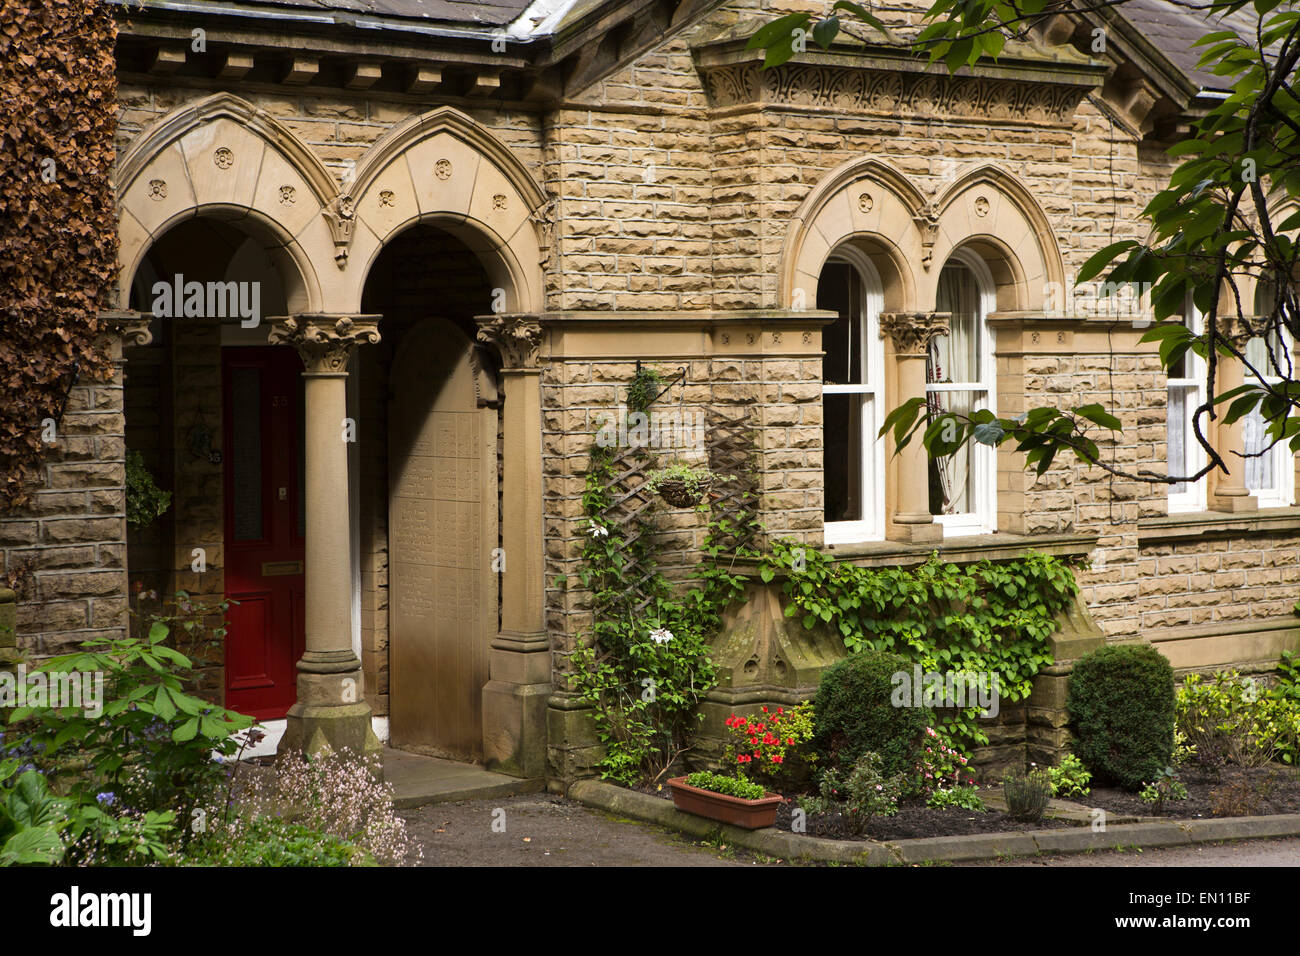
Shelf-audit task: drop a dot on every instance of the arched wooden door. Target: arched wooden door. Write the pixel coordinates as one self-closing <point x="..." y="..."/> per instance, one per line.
<point x="442" y="529"/>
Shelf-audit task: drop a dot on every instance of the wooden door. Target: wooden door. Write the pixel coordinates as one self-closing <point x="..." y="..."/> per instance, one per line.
<point x="442" y="521"/>
<point x="264" y="528"/>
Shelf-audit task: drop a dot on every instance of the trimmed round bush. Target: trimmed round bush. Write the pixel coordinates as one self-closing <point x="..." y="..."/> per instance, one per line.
<point x="853" y="715"/>
<point x="1121" y="704"/>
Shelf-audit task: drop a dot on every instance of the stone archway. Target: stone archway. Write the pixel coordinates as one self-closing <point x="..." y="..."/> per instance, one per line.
<point x="223" y="158"/>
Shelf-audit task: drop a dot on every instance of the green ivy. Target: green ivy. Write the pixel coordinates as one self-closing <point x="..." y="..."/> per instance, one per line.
<point x="983" y="618"/>
<point x="145" y="501"/>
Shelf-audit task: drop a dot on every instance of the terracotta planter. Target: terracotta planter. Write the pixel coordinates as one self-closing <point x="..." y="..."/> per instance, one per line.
<point x="750" y="814"/>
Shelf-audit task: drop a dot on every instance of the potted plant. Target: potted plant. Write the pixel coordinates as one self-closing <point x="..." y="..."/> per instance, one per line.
<point x="680" y="485"/>
<point x="733" y="800"/>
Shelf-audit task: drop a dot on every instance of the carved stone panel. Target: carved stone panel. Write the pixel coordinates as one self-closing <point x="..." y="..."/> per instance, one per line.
<point x="442" y="529"/>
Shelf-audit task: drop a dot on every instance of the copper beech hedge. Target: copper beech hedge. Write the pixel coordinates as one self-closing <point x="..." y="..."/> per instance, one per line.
<point x="58" y="229"/>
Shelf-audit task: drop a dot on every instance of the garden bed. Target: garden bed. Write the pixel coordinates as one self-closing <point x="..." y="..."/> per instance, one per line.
<point x="1242" y="791"/>
<point x="913" y="820"/>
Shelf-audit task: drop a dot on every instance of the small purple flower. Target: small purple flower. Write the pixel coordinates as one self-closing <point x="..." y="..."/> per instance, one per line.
<point x="107" y="798"/>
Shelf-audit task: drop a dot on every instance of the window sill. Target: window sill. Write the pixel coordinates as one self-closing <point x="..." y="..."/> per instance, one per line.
<point x="966" y="549"/>
<point x="1205" y="525"/>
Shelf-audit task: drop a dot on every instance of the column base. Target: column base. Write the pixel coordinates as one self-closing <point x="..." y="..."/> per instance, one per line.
<point x="331" y="713"/>
<point x="1234" y="504"/>
<point x="927" y="533"/>
<point x="572" y="747"/>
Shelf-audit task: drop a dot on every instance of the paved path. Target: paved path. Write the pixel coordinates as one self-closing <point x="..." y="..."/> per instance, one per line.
<point x="1248" y="853"/>
<point x="546" y="830"/>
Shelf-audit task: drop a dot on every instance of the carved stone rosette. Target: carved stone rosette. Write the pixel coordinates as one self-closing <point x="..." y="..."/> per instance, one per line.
<point x="518" y="337"/>
<point x="912" y="332"/>
<point x="325" y="342"/>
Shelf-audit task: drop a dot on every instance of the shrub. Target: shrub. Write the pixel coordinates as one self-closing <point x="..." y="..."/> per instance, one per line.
<point x="1166" y="786"/>
<point x="1070" y="777"/>
<point x="764" y="745"/>
<point x="1027" y="795"/>
<point x="728" y="786"/>
<point x="942" y="766"/>
<point x="1238" y="799"/>
<point x="855" y="716"/>
<point x="1237" y="720"/>
<point x="1121" y="702"/>
<point x="865" y="793"/>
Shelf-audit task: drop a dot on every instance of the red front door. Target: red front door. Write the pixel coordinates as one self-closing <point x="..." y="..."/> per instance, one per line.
<point x="264" y="523"/>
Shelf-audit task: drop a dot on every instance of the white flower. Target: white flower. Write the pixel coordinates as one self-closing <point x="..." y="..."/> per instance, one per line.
<point x="661" y="635"/>
<point x="599" y="531"/>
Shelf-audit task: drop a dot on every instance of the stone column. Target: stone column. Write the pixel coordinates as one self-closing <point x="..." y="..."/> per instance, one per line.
<point x="515" y="696"/>
<point x="1229" y="492"/>
<point x="911" y="334"/>
<point x="331" y="710"/>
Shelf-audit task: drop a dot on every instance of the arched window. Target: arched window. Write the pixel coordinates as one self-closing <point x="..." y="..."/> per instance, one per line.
<point x="1271" y="476"/>
<point x="852" y="375"/>
<point x="959" y="373"/>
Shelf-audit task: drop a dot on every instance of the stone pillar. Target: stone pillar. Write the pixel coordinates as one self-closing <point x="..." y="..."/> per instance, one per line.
<point x="1229" y="492"/>
<point x="331" y="710"/>
<point x="911" y="333"/>
<point x="519" y="684"/>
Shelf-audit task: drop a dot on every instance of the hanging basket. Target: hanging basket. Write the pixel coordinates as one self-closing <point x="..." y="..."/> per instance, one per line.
<point x="679" y="495"/>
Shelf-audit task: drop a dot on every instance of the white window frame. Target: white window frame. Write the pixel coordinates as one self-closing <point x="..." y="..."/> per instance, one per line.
<point x="1282" y="494"/>
<point x="1194" y="497"/>
<point x="872" y="361"/>
<point x="983" y="520"/>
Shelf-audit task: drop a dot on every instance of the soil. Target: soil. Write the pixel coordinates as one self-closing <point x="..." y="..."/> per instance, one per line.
<point x="914" y="819"/>
<point x="1231" y="792"/>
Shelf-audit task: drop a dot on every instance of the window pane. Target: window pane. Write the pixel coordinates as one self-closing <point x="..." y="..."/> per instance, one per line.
<point x="952" y="478"/>
<point x="842" y="437"/>
<point x="246" y="455"/>
<point x="839" y="290"/>
<point x="1176" y="434"/>
<point x="956" y="357"/>
<point x="1261" y="471"/>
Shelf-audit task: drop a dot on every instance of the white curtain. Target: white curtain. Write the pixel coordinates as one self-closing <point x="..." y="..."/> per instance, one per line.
<point x="1260" y="472"/>
<point x="955" y="359"/>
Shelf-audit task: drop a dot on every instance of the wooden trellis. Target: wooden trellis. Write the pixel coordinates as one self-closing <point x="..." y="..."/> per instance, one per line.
<point x="729" y="444"/>
<point x="729" y="447"/>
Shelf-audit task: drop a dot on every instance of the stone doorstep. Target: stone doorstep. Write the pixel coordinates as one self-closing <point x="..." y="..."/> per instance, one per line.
<point x="981" y="846"/>
<point x="419" y="780"/>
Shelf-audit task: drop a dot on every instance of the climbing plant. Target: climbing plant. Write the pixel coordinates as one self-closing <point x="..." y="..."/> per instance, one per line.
<point x="58" y="227"/>
<point x="985" y="618"/>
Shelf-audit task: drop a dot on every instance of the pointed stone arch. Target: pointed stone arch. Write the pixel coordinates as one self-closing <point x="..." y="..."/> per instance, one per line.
<point x="221" y="156"/>
<point x="864" y="201"/>
<point x="442" y="167"/>
<point x="991" y="212"/>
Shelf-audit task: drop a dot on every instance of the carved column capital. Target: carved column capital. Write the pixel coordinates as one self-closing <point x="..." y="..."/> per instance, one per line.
<point x="517" y="336"/>
<point x="324" y="341"/>
<point x="1237" y="330"/>
<point x="124" y="328"/>
<point x="912" y="332"/>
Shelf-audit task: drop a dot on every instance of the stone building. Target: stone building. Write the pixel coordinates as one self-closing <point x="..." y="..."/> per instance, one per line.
<point x="410" y="255"/>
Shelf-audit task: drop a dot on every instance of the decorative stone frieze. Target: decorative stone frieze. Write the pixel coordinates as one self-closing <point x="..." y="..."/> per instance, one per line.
<point x="865" y="90"/>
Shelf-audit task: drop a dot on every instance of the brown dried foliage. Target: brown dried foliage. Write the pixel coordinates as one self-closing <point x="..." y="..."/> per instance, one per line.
<point x="58" y="239"/>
